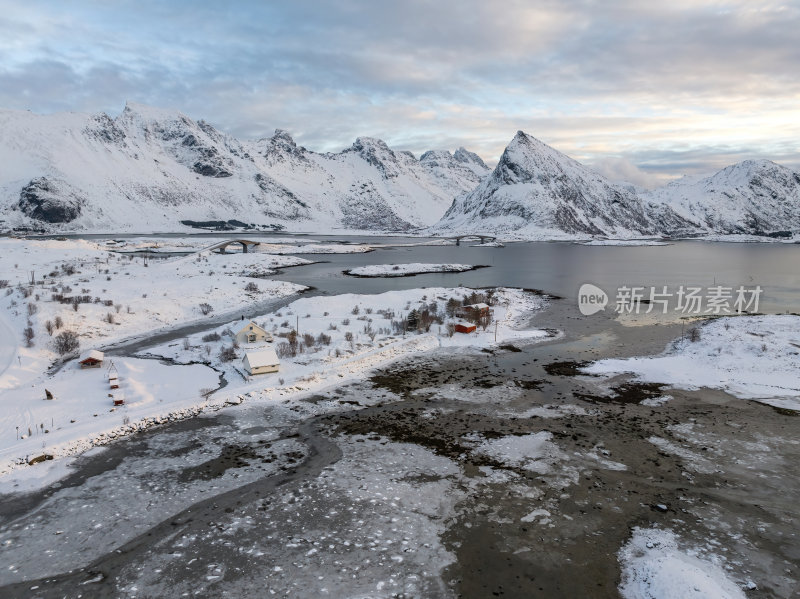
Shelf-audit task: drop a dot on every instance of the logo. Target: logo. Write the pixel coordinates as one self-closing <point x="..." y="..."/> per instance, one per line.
<point x="591" y="299"/>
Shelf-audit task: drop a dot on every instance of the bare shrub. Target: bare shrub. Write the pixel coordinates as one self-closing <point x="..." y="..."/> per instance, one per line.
<point x="206" y="308"/>
<point x="323" y="339"/>
<point x="58" y="322"/>
<point x="186" y="345"/>
<point x="32" y="309"/>
<point x="694" y="334"/>
<point x="252" y="287"/>
<point x="48" y="326"/>
<point x="308" y="339"/>
<point x="355" y="311"/>
<point x="3" y="283"/>
<point x="284" y="350"/>
<point x="109" y="318"/>
<point x="227" y="354"/>
<point x="28" y="334"/>
<point x="345" y="322"/>
<point x="332" y="327"/>
<point x="212" y="337"/>
<point x="66" y="342"/>
<point x="117" y="307"/>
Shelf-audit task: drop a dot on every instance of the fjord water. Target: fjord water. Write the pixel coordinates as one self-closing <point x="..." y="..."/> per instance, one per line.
<point x="561" y="268"/>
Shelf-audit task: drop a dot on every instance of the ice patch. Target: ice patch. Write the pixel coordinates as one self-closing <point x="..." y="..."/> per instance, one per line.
<point x="653" y="567"/>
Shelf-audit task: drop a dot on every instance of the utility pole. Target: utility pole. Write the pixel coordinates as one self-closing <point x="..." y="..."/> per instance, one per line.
<point x="495" y="331"/>
<point x="297" y="326"/>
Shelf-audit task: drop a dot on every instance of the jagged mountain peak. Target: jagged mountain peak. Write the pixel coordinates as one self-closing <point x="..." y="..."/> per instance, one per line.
<point x="371" y="145"/>
<point x="284" y="137"/>
<point x="144" y="113"/>
<point x="436" y="155"/>
<point x="752" y="196"/>
<point x="467" y="157"/>
<point x="538" y="191"/>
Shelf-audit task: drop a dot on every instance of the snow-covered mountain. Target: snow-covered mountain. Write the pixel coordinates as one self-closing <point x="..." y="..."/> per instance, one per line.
<point x="149" y="169"/>
<point x="537" y="192"/>
<point x="754" y="196"/>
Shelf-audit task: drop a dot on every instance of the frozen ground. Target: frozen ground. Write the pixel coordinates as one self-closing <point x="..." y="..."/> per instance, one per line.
<point x="83" y="413"/>
<point x="345" y="337"/>
<point x="753" y="357"/>
<point x="459" y="472"/>
<point x="404" y="270"/>
<point x="122" y="296"/>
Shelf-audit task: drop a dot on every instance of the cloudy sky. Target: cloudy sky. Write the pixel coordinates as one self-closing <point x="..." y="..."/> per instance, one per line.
<point x="640" y="90"/>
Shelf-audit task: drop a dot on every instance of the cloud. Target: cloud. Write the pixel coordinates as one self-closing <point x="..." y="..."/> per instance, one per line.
<point x="651" y="84"/>
<point x="622" y="170"/>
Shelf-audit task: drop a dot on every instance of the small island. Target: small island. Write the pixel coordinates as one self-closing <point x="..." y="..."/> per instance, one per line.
<point x="408" y="270"/>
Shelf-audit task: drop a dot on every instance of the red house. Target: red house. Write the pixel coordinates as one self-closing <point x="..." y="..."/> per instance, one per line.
<point x="465" y="328"/>
<point x="91" y="359"/>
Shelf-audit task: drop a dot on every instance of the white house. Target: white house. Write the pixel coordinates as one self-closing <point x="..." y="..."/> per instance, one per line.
<point x="261" y="361"/>
<point x="252" y="333"/>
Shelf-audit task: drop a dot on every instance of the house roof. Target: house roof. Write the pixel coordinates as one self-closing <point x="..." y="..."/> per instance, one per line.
<point x="262" y="357"/>
<point x="480" y="306"/>
<point x="92" y="354"/>
<point x="251" y="324"/>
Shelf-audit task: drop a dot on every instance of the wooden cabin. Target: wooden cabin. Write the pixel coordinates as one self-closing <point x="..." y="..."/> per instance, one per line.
<point x="463" y="327"/>
<point x="91" y="359"/>
<point x="252" y="333"/>
<point x="473" y="311"/>
<point x="262" y="361"/>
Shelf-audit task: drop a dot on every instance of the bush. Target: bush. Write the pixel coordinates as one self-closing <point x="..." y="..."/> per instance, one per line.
<point x="58" y="322"/>
<point x="109" y="318"/>
<point x="355" y="311"/>
<point x="323" y="339"/>
<point x="284" y="350"/>
<point x="252" y="287"/>
<point x="66" y="342"/>
<point x="3" y="283"/>
<point x="206" y="308"/>
<point x="48" y="326"/>
<point x="227" y="354"/>
<point x="32" y="309"/>
<point x="212" y="337"/>
<point x="694" y="334"/>
<point x="308" y="339"/>
<point x="28" y="334"/>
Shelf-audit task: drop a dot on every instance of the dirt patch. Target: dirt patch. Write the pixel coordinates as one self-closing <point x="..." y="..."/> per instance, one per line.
<point x="568" y="368"/>
<point x="627" y="393"/>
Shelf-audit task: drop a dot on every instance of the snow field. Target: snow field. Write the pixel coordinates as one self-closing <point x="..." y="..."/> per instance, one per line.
<point x="751" y="357"/>
<point x="402" y="270"/>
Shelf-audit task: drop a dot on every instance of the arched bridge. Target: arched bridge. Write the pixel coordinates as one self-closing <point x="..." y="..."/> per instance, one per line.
<point x="473" y="237"/>
<point x="220" y="247"/>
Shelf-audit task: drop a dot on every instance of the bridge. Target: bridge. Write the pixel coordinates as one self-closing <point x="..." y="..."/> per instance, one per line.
<point x="246" y="243"/>
<point x="473" y="237"/>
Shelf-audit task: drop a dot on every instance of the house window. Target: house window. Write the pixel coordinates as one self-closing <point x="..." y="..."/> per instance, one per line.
<point x="251" y="337"/>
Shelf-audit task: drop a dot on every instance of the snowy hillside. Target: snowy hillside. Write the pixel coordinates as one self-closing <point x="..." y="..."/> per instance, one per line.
<point x="538" y="192"/>
<point x="149" y="169"/>
<point x="754" y="196"/>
